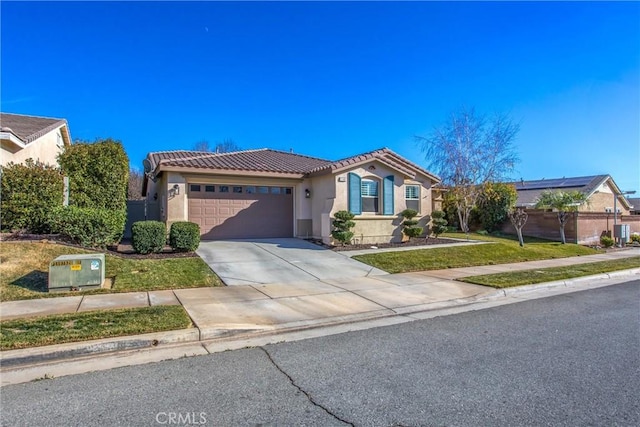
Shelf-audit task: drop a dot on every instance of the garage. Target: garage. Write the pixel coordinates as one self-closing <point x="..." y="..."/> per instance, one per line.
<point x="230" y="211"/>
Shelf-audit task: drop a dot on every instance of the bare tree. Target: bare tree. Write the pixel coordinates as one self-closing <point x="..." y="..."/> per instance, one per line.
<point x="518" y="217"/>
<point x="225" y="146"/>
<point x="468" y="151"/>
<point x="202" y="146"/>
<point x="134" y="191"/>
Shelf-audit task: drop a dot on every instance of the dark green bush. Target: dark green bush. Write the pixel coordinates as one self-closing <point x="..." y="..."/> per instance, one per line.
<point x="494" y="204"/>
<point x="148" y="236"/>
<point x="342" y="225"/>
<point x="98" y="173"/>
<point x="438" y="223"/>
<point x="91" y="227"/>
<point x="607" y="241"/>
<point x="410" y="226"/>
<point x="29" y="192"/>
<point x="184" y="236"/>
<point x="635" y="238"/>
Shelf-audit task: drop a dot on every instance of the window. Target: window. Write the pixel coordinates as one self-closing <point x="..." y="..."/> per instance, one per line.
<point x="287" y="190"/>
<point x="224" y="188"/>
<point x="194" y="187"/>
<point x="210" y="188"/>
<point x="250" y="190"/>
<point x="263" y="190"/>
<point x="412" y="197"/>
<point x="364" y="195"/>
<point x="237" y="189"/>
<point x="275" y="190"/>
<point x="369" y="193"/>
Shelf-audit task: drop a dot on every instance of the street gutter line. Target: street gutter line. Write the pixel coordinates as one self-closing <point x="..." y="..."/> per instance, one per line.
<point x="308" y="396"/>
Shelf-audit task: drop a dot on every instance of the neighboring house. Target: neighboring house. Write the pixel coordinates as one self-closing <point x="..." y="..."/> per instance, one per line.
<point x="593" y="219"/>
<point x="269" y="193"/>
<point x="602" y="193"/>
<point x="635" y="205"/>
<point x="39" y="138"/>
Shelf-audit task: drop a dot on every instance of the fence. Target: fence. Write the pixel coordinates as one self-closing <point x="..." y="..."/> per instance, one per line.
<point x="140" y="210"/>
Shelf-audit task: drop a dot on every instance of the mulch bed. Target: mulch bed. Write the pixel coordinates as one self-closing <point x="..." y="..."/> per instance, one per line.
<point x="412" y="243"/>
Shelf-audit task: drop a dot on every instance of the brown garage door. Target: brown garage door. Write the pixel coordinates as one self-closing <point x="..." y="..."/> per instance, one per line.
<point x="241" y="211"/>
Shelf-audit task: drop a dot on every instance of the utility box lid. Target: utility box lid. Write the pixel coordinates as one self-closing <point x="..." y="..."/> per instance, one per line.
<point x="76" y="272"/>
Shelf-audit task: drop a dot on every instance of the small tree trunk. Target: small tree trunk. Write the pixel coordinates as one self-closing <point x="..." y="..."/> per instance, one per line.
<point x="562" y="218"/>
<point x="520" y="239"/>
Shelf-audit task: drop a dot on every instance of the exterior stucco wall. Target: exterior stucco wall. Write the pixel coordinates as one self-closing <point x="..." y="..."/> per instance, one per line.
<point x="370" y="227"/>
<point x="44" y="149"/>
<point x="604" y="200"/>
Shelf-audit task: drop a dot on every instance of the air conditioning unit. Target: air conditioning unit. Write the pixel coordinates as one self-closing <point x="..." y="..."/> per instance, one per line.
<point x="79" y="272"/>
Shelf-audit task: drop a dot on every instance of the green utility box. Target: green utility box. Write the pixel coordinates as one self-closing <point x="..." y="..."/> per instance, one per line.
<point x="79" y="272"/>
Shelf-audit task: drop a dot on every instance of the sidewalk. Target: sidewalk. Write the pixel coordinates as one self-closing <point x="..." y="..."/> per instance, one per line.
<point x="245" y="311"/>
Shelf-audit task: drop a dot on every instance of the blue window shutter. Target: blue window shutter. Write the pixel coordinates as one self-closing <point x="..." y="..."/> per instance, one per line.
<point x="387" y="194"/>
<point x="355" y="202"/>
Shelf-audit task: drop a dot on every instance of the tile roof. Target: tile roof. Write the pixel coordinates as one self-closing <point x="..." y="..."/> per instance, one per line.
<point x="267" y="160"/>
<point x="263" y="160"/>
<point x="28" y="128"/>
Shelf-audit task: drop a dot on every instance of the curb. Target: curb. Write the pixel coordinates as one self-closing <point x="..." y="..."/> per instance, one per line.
<point x="56" y="352"/>
<point x="21" y="358"/>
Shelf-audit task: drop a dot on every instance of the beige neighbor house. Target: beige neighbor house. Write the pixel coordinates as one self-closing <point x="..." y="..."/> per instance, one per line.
<point x="268" y="193"/>
<point x="39" y="138"/>
<point x="592" y="220"/>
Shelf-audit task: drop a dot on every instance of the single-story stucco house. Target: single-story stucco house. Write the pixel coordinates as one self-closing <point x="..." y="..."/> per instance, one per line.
<point x="39" y="138"/>
<point x="268" y="193"/>
<point x="606" y="205"/>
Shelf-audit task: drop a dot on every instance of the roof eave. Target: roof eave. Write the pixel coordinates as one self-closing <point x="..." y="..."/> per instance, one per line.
<point x="230" y="172"/>
<point x="13" y="138"/>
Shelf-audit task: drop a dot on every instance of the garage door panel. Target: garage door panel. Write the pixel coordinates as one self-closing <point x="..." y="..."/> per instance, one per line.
<point x="242" y="215"/>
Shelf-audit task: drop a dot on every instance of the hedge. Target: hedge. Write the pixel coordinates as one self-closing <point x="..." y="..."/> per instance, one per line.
<point x="29" y="192"/>
<point x="148" y="236"/>
<point x="98" y="174"/>
<point x="184" y="236"/>
<point x="90" y="227"/>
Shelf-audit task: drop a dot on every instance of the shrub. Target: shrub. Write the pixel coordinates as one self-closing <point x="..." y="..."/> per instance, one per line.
<point x="496" y="199"/>
<point x="438" y="223"/>
<point x="342" y="225"/>
<point x="98" y="174"/>
<point x="184" y="236"/>
<point x="148" y="236"/>
<point x="91" y="227"/>
<point x="410" y="226"/>
<point x="606" y="241"/>
<point x="635" y="238"/>
<point x="29" y="192"/>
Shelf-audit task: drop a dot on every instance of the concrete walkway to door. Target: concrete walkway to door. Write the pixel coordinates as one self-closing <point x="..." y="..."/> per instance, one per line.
<point x="261" y="261"/>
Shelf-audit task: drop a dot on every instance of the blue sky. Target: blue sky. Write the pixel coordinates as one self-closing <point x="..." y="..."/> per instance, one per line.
<point x="334" y="79"/>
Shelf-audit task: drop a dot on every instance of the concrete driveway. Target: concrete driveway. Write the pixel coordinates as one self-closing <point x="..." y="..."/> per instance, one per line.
<point x="260" y="261"/>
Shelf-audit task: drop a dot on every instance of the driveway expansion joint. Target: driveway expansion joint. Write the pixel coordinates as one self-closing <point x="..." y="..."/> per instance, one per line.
<point x="301" y="390"/>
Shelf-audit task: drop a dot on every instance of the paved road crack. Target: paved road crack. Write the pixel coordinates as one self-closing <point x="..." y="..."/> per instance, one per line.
<point x="307" y="394"/>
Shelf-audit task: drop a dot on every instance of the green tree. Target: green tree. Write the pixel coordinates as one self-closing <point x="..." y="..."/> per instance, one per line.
<point x="410" y="226"/>
<point x="29" y="191"/>
<point x="438" y="223"/>
<point x="98" y="174"/>
<point x="468" y="151"/>
<point x="563" y="202"/>
<point x="342" y="225"/>
<point x="495" y="203"/>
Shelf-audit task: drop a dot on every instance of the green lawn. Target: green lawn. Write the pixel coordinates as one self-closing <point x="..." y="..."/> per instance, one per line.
<point x="59" y="329"/>
<point x="528" y="277"/>
<point x="24" y="270"/>
<point x="500" y="250"/>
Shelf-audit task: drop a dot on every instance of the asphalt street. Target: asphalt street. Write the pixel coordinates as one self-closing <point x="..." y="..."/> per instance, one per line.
<point x="572" y="359"/>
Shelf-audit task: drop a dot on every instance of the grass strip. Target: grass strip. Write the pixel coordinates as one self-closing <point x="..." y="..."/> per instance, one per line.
<point x="529" y="277"/>
<point x="502" y="250"/>
<point x="64" y="328"/>
<point x="24" y="270"/>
